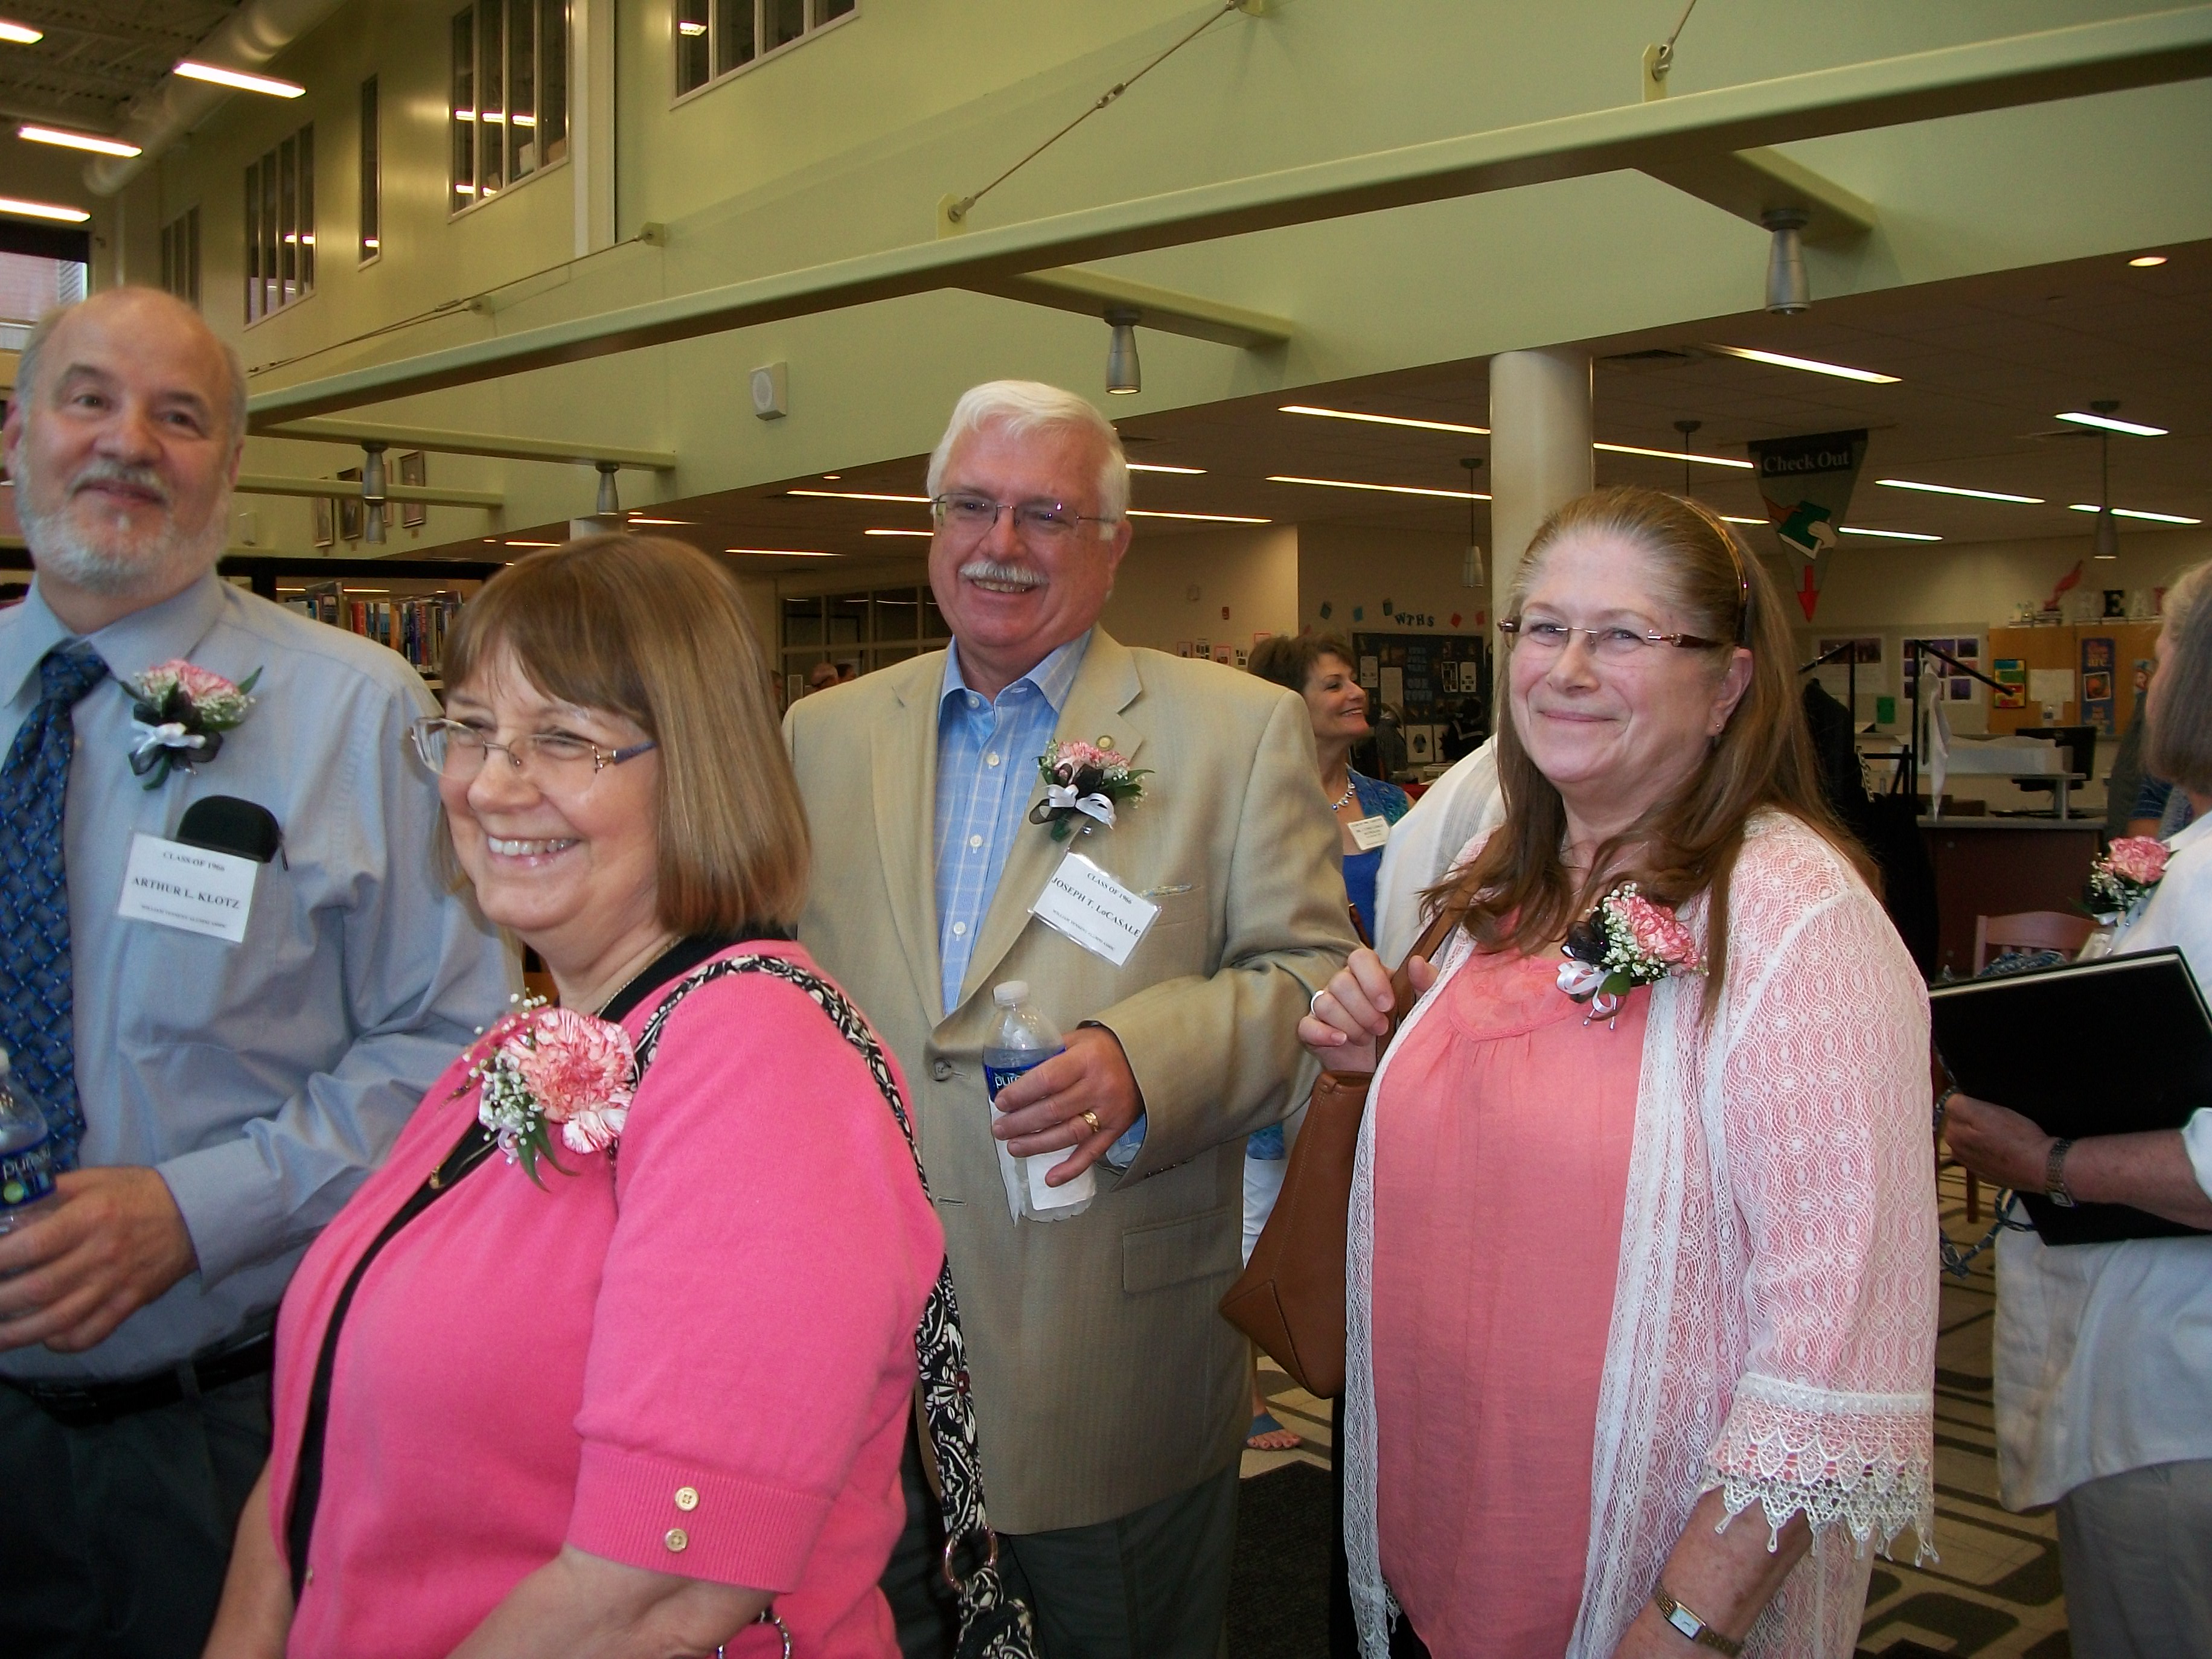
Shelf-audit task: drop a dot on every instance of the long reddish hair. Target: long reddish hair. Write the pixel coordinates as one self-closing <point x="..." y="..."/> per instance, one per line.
<point x="1517" y="892"/>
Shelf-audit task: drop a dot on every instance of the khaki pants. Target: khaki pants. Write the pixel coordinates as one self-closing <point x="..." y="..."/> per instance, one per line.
<point x="2136" y="1551"/>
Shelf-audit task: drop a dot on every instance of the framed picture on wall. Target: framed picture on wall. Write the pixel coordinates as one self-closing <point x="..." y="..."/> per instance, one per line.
<point x="353" y="517"/>
<point x="326" y="521"/>
<point x="414" y="469"/>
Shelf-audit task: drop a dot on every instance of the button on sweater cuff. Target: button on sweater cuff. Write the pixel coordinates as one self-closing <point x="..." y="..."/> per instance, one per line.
<point x="670" y="1514"/>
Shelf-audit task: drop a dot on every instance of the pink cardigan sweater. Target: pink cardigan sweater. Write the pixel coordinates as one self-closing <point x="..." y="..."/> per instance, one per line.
<point x="698" y="1362"/>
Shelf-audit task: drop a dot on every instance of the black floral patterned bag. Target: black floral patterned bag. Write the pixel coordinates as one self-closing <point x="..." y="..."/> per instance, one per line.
<point x="993" y="1623"/>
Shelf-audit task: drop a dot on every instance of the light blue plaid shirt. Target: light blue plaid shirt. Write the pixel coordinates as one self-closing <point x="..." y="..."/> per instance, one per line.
<point x="987" y="755"/>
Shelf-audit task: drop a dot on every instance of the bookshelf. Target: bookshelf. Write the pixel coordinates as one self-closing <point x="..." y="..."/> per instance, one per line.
<point x="407" y="605"/>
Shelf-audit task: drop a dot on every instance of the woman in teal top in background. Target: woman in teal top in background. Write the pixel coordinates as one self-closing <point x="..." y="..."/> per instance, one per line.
<point x="1319" y="668"/>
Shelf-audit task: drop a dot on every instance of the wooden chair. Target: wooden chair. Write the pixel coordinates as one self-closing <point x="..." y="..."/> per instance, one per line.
<point x="2024" y="929"/>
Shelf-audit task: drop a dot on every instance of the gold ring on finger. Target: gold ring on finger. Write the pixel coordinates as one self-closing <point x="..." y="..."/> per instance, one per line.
<point x="1092" y="1118"/>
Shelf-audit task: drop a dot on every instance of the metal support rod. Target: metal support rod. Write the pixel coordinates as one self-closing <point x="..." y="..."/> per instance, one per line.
<point x="609" y="498"/>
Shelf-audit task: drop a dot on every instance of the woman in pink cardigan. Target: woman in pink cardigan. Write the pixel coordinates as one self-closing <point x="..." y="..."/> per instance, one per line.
<point x="1644" y="1223"/>
<point x="615" y="1354"/>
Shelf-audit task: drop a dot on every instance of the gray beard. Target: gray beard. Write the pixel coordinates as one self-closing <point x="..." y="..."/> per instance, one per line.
<point x="111" y="568"/>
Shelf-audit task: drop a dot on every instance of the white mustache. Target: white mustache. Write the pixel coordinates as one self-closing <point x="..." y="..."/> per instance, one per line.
<point x="990" y="570"/>
<point x="138" y="477"/>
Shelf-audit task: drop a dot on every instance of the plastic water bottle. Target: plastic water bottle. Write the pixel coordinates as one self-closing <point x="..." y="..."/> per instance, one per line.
<point x="1024" y="1038"/>
<point x="27" y="1154"/>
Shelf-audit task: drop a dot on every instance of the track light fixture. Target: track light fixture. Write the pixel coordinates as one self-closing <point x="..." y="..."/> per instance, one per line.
<point x="1788" y="292"/>
<point x="1473" y="573"/>
<point x="1124" y="376"/>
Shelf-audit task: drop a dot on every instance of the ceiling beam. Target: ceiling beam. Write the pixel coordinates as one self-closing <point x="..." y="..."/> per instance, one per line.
<point x="2110" y="55"/>
<point x="1752" y="183"/>
<point x="270" y="483"/>
<point x="1093" y="293"/>
<point x="442" y="442"/>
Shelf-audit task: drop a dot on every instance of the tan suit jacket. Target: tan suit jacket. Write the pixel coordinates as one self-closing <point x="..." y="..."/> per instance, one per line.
<point x="1105" y="1378"/>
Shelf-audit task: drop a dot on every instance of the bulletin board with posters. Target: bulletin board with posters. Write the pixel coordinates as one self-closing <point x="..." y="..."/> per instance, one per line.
<point x="1431" y="675"/>
<point x="2103" y="665"/>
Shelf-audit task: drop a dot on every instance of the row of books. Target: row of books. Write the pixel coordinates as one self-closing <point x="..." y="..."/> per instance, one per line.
<point x="416" y="629"/>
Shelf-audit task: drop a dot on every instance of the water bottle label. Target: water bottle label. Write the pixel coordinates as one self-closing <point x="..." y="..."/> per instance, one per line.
<point x="27" y="1176"/>
<point x="996" y="1077"/>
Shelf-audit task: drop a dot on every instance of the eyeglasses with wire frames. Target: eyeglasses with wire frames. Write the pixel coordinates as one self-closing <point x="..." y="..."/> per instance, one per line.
<point x="454" y="749"/>
<point x="1544" y="637"/>
<point x="967" y="517"/>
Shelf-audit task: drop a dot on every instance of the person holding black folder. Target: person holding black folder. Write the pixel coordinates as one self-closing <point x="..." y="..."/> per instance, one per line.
<point x="2104" y="1351"/>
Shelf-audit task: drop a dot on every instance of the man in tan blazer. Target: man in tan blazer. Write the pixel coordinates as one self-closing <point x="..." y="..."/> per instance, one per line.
<point x="1110" y="1392"/>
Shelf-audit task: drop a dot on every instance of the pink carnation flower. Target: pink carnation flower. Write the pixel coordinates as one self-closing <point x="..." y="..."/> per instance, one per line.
<point x="200" y="684"/>
<point x="578" y="1069"/>
<point x="2138" y="859"/>
<point x="1079" y="755"/>
<point x="1659" y="934"/>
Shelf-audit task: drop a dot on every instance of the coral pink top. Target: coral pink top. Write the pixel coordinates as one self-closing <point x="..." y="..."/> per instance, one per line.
<point x="697" y="1363"/>
<point x="1501" y="1170"/>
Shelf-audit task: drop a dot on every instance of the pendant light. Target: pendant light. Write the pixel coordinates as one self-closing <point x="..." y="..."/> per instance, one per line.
<point x="1686" y="427"/>
<point x="2106" y="545"/>
<point x="1787" y="290"/>
<point x="1473" y="573"/>
<point x="1124" y="374"/>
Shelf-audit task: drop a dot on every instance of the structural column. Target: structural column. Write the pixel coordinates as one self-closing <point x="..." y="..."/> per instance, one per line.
<point x="1540" y="451"/>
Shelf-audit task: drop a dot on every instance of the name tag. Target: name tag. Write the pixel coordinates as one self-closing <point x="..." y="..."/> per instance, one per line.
<point x="1368" y="833"/>
<point x="1095" y="910"/>
<point x="188" y="887"/>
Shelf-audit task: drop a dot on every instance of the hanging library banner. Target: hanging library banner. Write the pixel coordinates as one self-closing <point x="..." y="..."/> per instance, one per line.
<point x="1806" y="483"/>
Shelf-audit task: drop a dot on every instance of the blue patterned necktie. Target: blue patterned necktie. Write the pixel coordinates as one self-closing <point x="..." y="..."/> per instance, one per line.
<point x="36" y="999"/>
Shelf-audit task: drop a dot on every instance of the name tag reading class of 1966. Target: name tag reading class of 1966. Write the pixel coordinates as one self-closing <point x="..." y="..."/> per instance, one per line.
<point x="188" y="887"/>
<point x="1089" y="907"/>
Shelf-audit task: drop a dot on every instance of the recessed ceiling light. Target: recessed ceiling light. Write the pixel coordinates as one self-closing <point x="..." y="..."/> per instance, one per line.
<point x="68" y="140"/>
<point x="1672" y="455"/>
<point x="833" y="476"/>
<point x="858" y="495"/>
<point x="2143" y="261"/>
<point x="216" y="75"/>
<point x="786" y="552"/>
<point x="1891" y="535"/>
<point x="2133" y="429"/>
<point x="1954" y="490"/>
<point x="1387" y="489"/>
<point x="1153" y="466"/>
<point x="2135" y="512"/>
<point x="21" y="34"/>
<point x="1209" y="518"/>
<point x="898" y="533"/>
<point x="1383" y="420"/>
<point x="1810" y="365"/>
<point x="68" y="215"/>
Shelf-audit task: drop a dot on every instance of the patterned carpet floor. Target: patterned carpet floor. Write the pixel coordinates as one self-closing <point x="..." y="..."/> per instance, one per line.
<point x="1994" y="1595"/>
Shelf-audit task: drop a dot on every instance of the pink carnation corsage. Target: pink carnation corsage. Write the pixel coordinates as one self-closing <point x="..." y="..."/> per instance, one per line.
<point x="2121" y="880"/>
<point x="545" y="1069"/>
<point x="1085" y="781"/>
<point x="1627" y="941"/>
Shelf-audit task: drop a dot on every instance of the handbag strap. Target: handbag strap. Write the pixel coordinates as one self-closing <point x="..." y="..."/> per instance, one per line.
<point x="1402" y="985"/>
<point x="940" y="1353"/>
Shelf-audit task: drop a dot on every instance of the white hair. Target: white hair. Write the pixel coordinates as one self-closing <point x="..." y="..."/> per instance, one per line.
<point x="1020" y="408"/>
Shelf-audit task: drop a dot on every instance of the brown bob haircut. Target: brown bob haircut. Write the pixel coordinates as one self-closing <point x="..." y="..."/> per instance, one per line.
<point x="1290" y="659"/>
<point x="656" y="631"/>
<point x="1517" y="891"/>
<point x="2180" y="746"/>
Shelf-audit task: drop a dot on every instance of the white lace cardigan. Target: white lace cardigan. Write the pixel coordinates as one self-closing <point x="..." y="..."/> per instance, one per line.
<point x="1773" y="1329"/>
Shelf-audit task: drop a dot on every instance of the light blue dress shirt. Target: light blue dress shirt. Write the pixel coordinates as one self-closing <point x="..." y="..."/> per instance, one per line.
<point x="262" y="1079"/>
<point x="987" y="757"/>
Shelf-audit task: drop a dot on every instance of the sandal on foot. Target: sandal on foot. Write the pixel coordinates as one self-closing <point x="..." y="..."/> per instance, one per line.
<point x="1263" y="1434"/>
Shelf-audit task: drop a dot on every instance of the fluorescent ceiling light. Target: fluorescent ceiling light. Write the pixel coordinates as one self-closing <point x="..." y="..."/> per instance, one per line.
<point x="1672" y="455"/>
<point x="2136" y="512"/>
<point x="1209" y="518"/>
<point x="1387" y="489"/>
<point x="21" y="34"/>
<point x="687" y="26"/>
<point x="1151" y="466"/>
<point x="1384" y="420"/>
<point x="465" y="115"/>
<point x="898" y="533"/>
<point x="2133" y="429"/>
<point x="68" y="140"/>
<point x="1954" y="490"/>
<point x="785" y="552"/>
<point x="218" y="75"/>
<point x="2143" y="261"/>
<point x="1810" y="365"/>
<point x="68" y="215"/>
<point x="1891" y="535"/>
<point x="639" y="517"/>
<point x="1731" y="518"/>
<point x="516" y="544"/>
<point x="858" y="495"/>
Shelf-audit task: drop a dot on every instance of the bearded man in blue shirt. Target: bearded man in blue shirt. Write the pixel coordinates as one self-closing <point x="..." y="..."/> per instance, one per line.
<point x="217" y="1078"/>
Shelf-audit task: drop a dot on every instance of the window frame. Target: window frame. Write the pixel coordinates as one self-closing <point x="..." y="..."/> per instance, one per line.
<point x="473" y="14"/>
<point x="180" y="256"/>
<point x="720" y="78"/>
<point x="369" y="210"/>
<point x="279" y="190"/>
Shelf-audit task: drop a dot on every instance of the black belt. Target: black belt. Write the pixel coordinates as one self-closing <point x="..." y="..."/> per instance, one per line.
<point x="81" y="1406"/>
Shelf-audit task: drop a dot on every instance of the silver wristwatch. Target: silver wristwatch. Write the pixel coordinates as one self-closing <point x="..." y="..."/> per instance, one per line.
<point x="2054" y="1175"/>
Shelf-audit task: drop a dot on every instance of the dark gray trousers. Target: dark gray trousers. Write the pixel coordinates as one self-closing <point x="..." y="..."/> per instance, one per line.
<point x="114" y="1538"/>
<point x="1151" y="1584"/>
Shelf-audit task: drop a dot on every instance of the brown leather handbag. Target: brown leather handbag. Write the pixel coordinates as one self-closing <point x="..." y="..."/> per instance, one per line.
<point x="1290" y="1298"/>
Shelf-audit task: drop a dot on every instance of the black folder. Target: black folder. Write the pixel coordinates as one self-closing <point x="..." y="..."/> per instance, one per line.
<point x="2118" y="1046"/>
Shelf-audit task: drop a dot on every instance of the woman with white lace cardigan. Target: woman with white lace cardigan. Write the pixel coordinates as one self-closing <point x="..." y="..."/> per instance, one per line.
<point x="1620" y="1271"/>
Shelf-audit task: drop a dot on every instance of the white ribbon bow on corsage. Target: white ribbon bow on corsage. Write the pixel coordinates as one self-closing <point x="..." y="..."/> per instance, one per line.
<point x="1061" y="798"/>
<point x="170" y="734"/>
